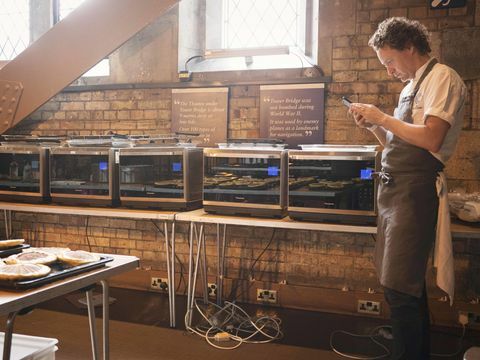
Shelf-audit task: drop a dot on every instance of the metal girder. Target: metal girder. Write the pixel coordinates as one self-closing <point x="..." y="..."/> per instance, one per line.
<point x="70" y="48"/>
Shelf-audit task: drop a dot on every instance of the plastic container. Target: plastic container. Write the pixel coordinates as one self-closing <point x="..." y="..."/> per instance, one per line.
<point x="25" y="347"/>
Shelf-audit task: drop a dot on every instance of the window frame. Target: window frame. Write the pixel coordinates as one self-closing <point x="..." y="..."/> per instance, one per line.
<point x="214" y="33"/>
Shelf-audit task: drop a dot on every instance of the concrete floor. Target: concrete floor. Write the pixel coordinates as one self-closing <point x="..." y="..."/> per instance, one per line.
<point x="129" y="341"/>
<point x="140" y="330"/>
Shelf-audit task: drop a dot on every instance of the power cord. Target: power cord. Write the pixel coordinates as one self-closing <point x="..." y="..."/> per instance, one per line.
<point x="460" y="347"/>
<point x="86" y="233"/>
<point x="251" y="273"/>
<point x="385" y="332"/>
<point x="380" y="331"/>
<point x="232" y="323"/>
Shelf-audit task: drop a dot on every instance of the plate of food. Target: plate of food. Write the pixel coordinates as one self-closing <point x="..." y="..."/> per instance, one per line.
<point x="33" y="268"/>
<point x="12" y="246"/>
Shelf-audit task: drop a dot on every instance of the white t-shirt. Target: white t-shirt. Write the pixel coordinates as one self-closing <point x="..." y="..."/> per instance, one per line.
<point x="442" y="94"/>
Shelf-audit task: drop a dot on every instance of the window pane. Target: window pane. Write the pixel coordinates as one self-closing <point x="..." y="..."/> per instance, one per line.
<point x="258" y="23"/>
<point x="67" y="6"/>
<point x="14" y="28"/>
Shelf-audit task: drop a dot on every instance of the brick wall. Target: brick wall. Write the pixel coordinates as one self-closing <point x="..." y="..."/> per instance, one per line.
<point x="312" y="259"/>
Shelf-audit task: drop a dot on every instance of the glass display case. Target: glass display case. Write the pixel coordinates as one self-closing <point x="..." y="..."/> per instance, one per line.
<point x="245" y="181"/>
<point x="83" y="175"/>
<point x="23" y="173"/>
<point x="168" y="178"/>
<point x="333" y="183"/>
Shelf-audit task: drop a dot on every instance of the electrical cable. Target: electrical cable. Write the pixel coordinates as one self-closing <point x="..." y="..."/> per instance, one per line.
<point x="251" y="271"/>
<point x="190" y="59"/>
<point x="236" y="326"/>
<point x="370" y="336"/>
<point x="86" y="234"/>
<point x="460" y="347"/>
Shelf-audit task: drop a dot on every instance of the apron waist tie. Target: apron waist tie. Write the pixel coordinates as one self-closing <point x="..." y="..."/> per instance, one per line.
<point x="384" y="177"/>
<point x="443" y="252"/>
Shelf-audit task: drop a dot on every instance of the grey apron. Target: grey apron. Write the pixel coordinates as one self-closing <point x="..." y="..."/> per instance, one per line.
<point x="407" y="208"/>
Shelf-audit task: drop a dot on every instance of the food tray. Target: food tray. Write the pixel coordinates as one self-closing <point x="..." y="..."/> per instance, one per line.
<point x="13" y="250"/>
<point x="60" y="270"/>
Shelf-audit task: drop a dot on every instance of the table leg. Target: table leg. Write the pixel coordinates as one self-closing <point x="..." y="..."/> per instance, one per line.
<point x="91" y="320"/>
<point x="106" y="320"/>
<point x="7" y="344"/>
<point x="172" y="281"/>
<point x="203" y="269"/>
<point x="170" y="272"/>
<point x="192" y="277"/>
<point x="188" y="318"/>
<point x="221" y="261"/>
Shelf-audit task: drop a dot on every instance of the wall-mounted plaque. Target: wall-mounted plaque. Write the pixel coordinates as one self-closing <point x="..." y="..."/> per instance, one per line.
<point x="447" y="4"/>
<point x="203" y="111"/>
<point x="293" y="113"/>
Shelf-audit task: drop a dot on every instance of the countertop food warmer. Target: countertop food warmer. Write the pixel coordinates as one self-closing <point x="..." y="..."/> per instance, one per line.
<point x="246" y="179"/>
<point x="24" y="173"/>
<point x="333" y="183"/>
<point x="163" y="177"/>
<point x="84" y="176"/>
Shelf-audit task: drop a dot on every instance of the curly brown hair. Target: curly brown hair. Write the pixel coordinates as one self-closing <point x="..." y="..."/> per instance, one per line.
<point x="400" y="33"/>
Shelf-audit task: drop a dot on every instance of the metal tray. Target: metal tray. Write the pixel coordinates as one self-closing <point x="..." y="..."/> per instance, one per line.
<point x="13" y="250"/>
<point x="60" y="270"/>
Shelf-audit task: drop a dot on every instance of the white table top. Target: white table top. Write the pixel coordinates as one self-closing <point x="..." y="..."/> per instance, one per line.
<point x="459" y="230"/>
<point x="15" y="300"/>
<point x="286" y="223"/>
<point x="89" y="211"/>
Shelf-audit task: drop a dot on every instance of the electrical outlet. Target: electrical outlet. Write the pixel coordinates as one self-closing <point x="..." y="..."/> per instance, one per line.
<point x="368" y="307"/>
<point x="469" y="318"/>
<point x="159" y="284"/>
<point x="267" y="296"/>
<point x="212" y="289"/>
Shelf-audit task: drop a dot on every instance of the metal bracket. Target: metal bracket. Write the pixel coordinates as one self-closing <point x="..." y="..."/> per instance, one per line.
<point x="10" y="93"/>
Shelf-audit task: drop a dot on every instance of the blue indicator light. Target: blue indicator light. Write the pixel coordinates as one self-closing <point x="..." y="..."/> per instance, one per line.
<point x="176" y="166"/>
<point x="273" y="171"/>
<point x="366" y="174"/>
<point x="103" y="165"/>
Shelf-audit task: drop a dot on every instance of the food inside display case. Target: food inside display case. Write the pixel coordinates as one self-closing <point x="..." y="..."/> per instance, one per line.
<point x="333" y="183"/>
<point x="167" y="178"/>
<point x="83" y="175"/>
<point x="246" y="179"/>
<point x="22" y="176"/>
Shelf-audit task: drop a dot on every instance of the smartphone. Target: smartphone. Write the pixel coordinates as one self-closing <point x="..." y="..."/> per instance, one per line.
<point x="346" y="101"/>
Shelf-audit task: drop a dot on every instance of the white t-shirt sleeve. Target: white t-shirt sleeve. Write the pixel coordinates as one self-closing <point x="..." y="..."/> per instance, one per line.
<point x="442" y="96"/>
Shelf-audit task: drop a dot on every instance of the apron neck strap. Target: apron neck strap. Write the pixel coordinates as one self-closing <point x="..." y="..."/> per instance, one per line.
<point x="429" y="67"/>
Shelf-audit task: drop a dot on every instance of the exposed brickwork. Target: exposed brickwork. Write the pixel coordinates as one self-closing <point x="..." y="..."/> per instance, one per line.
<point x="307" y="258"/>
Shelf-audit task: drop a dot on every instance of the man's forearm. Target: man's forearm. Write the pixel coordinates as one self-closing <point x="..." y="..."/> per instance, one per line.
<point x="381" y="134"/>
<point x="428" y="136"/>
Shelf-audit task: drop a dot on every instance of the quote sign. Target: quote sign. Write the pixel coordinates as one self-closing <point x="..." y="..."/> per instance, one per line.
<point x="203" y="111"/>
<point x="293" y="113"/>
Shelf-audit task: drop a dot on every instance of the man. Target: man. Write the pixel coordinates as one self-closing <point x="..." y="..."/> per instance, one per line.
<point x="418" y="139"/>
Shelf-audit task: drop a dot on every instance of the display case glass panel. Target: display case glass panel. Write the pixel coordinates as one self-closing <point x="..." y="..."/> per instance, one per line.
<point x="157" y="176"/>
<point x="82" y="174"/>
<point x="332" y="184"/>
<point x="243" y="178"/>
<point x="20" y="172"/>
